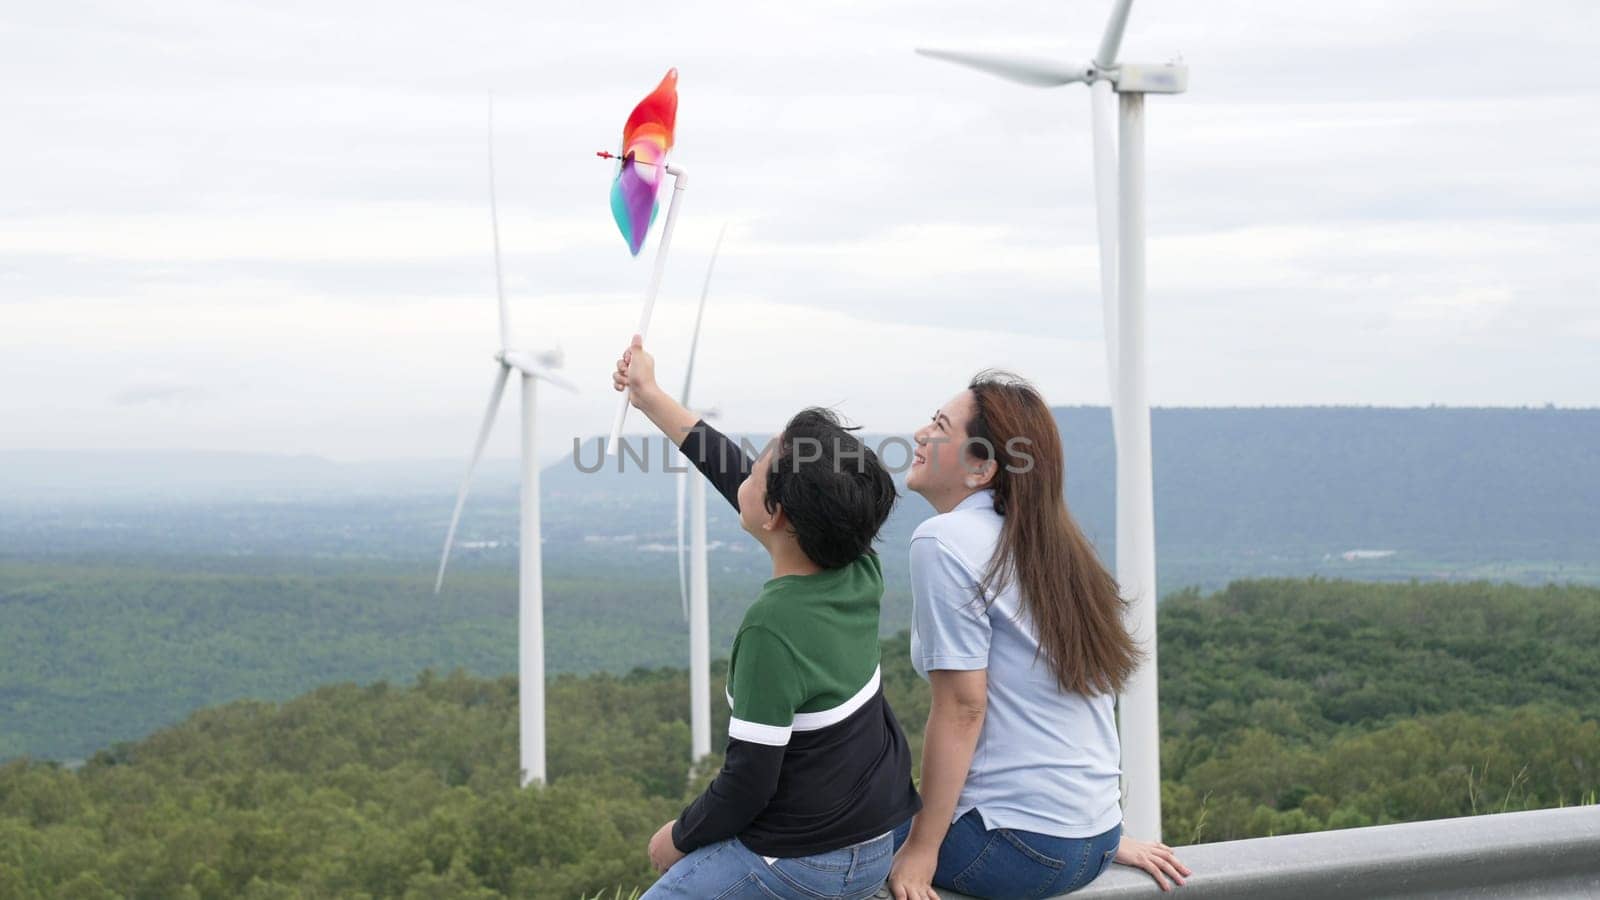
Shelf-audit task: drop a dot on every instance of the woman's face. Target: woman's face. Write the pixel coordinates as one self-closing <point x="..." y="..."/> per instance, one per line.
<point x="941" y="465"/>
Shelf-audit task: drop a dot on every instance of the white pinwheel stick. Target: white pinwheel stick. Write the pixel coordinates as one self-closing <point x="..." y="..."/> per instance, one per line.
<point x="680" y="181"/>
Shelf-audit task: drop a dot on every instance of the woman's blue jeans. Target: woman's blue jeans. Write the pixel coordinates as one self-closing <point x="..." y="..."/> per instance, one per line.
<point x="1009" y="864"/>
<point x="728" y="869"/>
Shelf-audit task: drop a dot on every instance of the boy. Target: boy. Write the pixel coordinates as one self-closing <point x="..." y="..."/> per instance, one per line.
<point x="817" y="773"/>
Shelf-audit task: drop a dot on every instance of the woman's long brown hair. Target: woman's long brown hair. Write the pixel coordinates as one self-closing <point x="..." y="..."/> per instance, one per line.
<point x="1072" y="600"/>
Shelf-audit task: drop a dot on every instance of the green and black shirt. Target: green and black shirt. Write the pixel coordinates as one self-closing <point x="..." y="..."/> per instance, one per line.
<point x="815" y="759"/>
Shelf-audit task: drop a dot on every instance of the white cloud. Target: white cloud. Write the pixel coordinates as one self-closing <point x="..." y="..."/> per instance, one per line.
<point x="283" y="208"/>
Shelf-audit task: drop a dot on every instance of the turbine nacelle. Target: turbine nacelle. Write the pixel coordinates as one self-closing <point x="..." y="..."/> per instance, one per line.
<point x="537" y="365"/>
<point x="1152" y="78"/>
<point x="551" y="359"/>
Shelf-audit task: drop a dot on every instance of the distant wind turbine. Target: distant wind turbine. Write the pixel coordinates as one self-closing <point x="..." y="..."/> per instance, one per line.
<point x="693" y="586"/>
<point x="1119" y="206"/>
<point x="533" y="367"/>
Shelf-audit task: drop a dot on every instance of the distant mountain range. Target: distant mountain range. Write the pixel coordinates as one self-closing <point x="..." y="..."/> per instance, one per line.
<point x="1510" y="493"/>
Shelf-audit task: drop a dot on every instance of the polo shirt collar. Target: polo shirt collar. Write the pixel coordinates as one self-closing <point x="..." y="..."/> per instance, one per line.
<point x="983" y="498"/>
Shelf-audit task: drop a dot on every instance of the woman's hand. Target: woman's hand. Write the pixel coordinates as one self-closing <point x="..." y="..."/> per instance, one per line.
<point x="1153" y="857"/>
<point x="912" y="875"/>
<point x="664" y="853"/>
<point x="636" y="371"/>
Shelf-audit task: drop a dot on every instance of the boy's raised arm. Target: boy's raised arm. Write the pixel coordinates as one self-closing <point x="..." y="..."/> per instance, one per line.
<point x="718" y="458"/>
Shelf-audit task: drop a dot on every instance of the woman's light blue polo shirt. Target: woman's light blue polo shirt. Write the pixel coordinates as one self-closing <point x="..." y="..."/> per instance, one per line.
<point x="1046" y="761"/>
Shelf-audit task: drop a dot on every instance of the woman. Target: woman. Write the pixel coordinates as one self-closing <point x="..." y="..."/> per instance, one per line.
<point x="1018" y="628"/>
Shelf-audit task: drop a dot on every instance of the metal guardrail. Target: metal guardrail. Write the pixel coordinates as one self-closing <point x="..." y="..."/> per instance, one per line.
<point x="1543" y="853"/>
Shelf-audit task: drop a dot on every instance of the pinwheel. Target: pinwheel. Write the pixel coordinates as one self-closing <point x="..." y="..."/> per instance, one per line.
<point x="646" y="138"/>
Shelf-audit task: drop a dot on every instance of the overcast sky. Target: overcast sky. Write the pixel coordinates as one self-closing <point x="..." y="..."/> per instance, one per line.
<point x="265" y="226"/>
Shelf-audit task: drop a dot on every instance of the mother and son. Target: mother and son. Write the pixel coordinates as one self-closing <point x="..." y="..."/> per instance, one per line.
<point x="1017" y="626"/>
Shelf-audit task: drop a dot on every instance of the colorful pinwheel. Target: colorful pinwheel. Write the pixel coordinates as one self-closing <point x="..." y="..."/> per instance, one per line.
<point x="646" y="138"/>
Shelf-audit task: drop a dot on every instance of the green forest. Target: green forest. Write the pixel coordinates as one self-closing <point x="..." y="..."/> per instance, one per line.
<point x="1287" y="706"/>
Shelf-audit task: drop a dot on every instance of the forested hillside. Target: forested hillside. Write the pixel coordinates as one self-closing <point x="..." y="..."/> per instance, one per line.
<point x="1286" y="706"/>
<point x="136" y="588"/>
<point x="94" y="654"/>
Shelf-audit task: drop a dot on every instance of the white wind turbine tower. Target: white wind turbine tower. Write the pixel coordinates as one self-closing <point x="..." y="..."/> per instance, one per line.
<point x="694" y="585"/>
<point x="1119" y="203"/>
<point x="530" y="591"/>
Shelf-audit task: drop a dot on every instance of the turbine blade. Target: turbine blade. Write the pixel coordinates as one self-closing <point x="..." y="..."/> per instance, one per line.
<point x="494" y="223"/>
<point x="1102" y="112"/>
<point x="683" y="575"/>
<point x="495" y="394"/>
<point x="1111" y="41"/>
<point x="705" y="288"/>
<point x="1021" y="69"/>
<point x="547" y="375"/>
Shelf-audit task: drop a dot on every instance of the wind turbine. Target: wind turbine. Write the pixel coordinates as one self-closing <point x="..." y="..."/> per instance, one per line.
<point x="693" y="586"/>
<point x="1119" y="208"/>
<point x="533" y="368"/>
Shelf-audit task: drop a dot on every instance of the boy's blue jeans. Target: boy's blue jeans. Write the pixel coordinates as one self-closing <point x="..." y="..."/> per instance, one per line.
<point x="728" y="869"/>
<point x="1009" y="864"/>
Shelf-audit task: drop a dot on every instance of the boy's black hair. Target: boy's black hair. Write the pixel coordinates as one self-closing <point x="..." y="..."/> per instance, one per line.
<point x="831" y="486"/>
